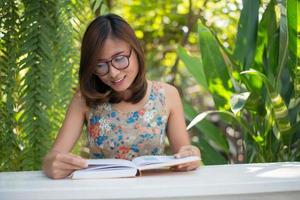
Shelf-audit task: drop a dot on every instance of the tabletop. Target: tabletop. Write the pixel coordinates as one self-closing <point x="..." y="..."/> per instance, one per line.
<point x="239" y="181"/>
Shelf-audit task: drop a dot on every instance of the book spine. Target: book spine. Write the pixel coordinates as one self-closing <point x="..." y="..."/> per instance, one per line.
<point x="139" y="172"/>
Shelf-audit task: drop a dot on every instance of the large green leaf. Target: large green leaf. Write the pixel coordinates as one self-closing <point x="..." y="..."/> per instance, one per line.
<point x="283" y="43"/>
<point x="209" y="155"/>
<point x="246" y="36"/>
<point x="278" y="105"/>
<point x="215" y="69"/>
<point x="194" y="65"/>
<point x="209" y="130"/>
<point x="200" y="117"/>
<point x="266" y="53"/>
<point x="294" y="42"/>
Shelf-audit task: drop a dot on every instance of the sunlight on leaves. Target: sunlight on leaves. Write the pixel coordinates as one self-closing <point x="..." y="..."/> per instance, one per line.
<point x="238" y="101"/>
<point x="217" y="87"/>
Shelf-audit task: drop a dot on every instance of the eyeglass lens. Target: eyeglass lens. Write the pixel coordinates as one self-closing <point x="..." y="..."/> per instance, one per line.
<point x="119" y="62"/>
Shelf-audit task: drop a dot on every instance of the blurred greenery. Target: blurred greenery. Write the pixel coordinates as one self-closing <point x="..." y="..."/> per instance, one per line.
<point x="39" y="60"/>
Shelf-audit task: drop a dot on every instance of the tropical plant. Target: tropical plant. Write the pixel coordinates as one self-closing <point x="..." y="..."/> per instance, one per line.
<point x="255" y="87"/>
<point x="38" y="58"/>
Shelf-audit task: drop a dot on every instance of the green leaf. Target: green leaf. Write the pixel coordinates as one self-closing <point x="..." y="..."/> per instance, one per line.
<point x="97" y="4"/>
<point x="200" y="117"/>
<point x="278" y="105"/>
<point x="255" y="103"/>
<point x="283" y="43"/>
<point x="215" y="69"/>
<point x="294" y="42"/>
<point x="297" y="82"/>
<point x="238" y="101"/>
<point x="293" y="24"/>
<point x="209" y="130"/>
<point x="266" y="54"/>
<point x="246" y="36"/>
<point x="194" y="65"/>
<point x="209" y="155"/>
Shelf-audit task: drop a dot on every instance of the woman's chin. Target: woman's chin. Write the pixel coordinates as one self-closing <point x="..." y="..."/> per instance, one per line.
<point x="119" y="88"/>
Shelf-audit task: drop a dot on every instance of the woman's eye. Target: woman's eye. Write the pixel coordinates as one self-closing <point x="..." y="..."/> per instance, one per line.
<point x="119" y="58"/>
<point x="101" y="65"/>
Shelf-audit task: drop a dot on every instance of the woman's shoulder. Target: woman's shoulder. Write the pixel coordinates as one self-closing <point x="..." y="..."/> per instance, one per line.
<point x="171" y="94"/>
<point x="78" y="100"/>
<point x="169" y="89"/>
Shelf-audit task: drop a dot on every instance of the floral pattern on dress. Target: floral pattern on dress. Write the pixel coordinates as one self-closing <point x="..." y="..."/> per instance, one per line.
<point x="126" y="135"/>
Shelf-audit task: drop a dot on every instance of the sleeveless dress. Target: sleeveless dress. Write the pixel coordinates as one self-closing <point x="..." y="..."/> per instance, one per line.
<point x="126" y="135"/>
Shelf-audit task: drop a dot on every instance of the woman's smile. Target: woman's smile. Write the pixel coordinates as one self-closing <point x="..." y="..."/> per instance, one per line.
<point x="118" y="81"/>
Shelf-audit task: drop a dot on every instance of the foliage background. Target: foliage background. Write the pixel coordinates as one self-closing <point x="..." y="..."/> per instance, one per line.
<point x="39" y="57"/>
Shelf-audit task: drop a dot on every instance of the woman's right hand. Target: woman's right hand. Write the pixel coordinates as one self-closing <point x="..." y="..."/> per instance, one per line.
<point x="58" y="165"/>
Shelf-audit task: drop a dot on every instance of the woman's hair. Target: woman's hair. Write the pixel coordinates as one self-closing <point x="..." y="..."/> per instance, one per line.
<point x="92" y="88"/>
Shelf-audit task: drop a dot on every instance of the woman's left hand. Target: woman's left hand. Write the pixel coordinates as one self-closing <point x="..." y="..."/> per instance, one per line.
<point x="184" y="151"/>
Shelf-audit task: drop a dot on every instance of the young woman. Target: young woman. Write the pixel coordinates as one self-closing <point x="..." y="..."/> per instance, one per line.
<point x="126" y="115"/>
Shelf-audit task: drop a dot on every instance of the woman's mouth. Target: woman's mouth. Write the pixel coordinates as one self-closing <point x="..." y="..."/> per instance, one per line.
<point x="118" y="81"/>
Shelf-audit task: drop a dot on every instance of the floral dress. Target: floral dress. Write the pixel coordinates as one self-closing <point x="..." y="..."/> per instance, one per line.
<point x="126" y="135"/>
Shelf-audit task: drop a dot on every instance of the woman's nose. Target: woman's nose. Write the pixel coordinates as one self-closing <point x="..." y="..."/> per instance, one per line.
<point x="113" y="72"/>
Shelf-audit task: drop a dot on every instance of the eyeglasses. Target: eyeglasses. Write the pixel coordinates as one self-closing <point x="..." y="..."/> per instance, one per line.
<point x="119" y="62"/>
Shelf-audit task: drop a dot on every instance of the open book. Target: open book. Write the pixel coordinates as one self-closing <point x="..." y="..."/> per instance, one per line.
<point x="113" y="168"/>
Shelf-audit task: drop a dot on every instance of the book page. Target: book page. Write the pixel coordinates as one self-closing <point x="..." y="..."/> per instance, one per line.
<point x="106" y="168"/>
<point x="147" y="160"/>
<point x="154" y="162"/>
<point x="107" y="163"/>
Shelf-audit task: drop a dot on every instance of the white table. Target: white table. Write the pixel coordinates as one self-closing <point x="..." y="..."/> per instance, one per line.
<point x="245" y="181"/>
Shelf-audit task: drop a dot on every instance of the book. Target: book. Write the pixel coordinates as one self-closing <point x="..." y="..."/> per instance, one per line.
<point x="117" y="168"/>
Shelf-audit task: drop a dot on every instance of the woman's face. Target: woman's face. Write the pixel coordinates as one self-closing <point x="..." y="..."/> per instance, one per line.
<point x="114" y="54"/>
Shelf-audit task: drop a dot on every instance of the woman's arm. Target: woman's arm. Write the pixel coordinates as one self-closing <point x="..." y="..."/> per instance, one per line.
<point x="59" y="163"/>
<point x="176" y="130"/>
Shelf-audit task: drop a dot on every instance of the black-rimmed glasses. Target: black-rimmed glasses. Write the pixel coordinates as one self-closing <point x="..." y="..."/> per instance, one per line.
<point x="119" y="62"/>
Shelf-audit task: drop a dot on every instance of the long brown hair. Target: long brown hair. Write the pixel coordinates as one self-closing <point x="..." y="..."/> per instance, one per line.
<point x="92" y="88"/>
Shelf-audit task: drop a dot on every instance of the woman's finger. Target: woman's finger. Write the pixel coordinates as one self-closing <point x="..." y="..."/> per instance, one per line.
<point x="186" y="167"/>
<point x="184" y="153"/>
<point x="188" y="150"/>
<point x="188" y="164"/>
<point x="58" y="174"/>
<point x="67" y="166"/>
<point x="72" y="160"/>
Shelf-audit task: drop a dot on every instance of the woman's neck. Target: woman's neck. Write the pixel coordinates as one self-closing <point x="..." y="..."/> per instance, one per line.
<point x="126" y="94"/>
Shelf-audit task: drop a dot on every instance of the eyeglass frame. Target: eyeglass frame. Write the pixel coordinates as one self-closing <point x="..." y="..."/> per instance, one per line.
<point x="109" y="62"/>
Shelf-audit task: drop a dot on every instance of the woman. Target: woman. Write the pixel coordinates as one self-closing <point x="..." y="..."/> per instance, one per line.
<point x="126" y="115"/>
